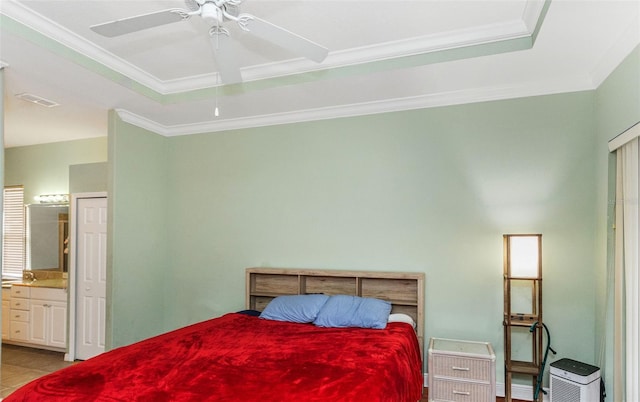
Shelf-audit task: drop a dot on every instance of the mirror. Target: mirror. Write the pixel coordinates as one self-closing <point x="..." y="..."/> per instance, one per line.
<point x="47" y="237"/>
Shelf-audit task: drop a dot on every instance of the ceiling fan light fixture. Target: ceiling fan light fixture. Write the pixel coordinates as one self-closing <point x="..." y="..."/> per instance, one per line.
<point x="211" y="14"/>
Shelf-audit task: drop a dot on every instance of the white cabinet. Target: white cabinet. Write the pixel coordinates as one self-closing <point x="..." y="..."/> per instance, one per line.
<point x="6" y="314"/>
<point x="35" y="316"/>
<point x="48" y="323"/>
<point x="461" y="371"/>
<point x="48" y="317"/>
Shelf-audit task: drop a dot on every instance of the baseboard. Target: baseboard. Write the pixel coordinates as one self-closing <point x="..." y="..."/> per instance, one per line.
<point x="518" y="391"/>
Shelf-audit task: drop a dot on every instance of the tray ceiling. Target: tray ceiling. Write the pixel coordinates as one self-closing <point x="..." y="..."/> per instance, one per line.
<point x="383" y="56"/>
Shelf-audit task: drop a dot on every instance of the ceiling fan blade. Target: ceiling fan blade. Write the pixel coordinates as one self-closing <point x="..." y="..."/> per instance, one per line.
<point x="139" y="22"/>
<point x="226" y="59"/>
<point x="286" y="39"/>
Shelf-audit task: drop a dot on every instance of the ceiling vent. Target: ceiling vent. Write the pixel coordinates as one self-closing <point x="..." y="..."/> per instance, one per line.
<point x="37" y="100"/>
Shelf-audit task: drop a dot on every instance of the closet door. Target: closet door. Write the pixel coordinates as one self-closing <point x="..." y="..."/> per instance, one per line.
<point x="91" y="238"/>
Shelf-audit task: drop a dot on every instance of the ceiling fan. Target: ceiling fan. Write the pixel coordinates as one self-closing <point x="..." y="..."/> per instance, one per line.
<point x="215" y="13"/>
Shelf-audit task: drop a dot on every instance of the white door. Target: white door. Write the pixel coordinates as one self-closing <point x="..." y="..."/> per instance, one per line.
<point x="91" y="276"/>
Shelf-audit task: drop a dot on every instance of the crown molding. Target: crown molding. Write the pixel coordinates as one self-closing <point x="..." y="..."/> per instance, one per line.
<point x="50" y="29"/>
<point x="420" y="45"/>
<point x="560" y="85"/>
<point x="143" y="122"/>
<point x="367" y="54"/>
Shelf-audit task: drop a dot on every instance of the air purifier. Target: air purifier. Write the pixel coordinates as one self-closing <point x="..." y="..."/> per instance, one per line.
<point x="573" y="381"/>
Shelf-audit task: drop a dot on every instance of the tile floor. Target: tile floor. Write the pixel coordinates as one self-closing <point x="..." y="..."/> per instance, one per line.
<point x="21" y="365"/>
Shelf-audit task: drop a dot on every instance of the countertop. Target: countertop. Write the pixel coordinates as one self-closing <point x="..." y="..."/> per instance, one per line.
<point x="41" y="283"/>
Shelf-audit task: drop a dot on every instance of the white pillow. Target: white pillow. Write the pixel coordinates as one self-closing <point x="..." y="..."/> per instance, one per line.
<point x="399" y="317"/>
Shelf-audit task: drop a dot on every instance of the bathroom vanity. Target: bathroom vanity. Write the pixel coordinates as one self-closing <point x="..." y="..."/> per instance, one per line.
<point x="34" y="313"/>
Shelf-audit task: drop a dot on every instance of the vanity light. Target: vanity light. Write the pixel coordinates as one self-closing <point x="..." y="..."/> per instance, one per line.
<point x="52" y="198"/>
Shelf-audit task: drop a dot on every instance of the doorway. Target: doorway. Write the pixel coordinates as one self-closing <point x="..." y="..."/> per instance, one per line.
<point x="89" y="276"/>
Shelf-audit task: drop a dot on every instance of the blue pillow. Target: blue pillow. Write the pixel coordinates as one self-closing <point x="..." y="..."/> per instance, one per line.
<point x="295" y="308"/>
<point x="353" y="311"/>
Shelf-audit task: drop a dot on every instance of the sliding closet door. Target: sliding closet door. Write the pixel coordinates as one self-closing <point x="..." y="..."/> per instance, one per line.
<point x="91" y="276"/>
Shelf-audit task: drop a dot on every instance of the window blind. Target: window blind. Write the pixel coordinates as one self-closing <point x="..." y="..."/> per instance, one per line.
<point x="14" y="236"/>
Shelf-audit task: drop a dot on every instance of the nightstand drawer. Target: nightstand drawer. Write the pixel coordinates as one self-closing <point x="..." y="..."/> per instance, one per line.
<point x="459" y="391"/>
<point x="19" y="315"/>
<point x="462" y="367"/>
<point x="461" y="371"/>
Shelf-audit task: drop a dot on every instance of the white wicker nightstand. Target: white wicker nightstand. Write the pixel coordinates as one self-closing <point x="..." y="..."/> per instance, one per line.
<point x="461" y="371"/>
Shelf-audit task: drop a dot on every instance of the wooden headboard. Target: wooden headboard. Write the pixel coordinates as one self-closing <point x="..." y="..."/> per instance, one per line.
<point x="404" y="290"/>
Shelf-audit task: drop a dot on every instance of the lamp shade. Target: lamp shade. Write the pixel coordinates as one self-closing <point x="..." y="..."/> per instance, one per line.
<point x="523" y="256"/>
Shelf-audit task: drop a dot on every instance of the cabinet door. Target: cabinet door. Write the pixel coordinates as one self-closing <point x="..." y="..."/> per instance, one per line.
<point x="6" y="319"/>
<point x="57" y="328"/>
<point x="38" y="317"/>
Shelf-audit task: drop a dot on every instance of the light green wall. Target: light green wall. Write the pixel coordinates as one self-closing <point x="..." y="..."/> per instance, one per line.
<point x="137" y="233"/>
<point x="618" y="98"/>
<point x="88" y="177"/>
<point x="44" y="169"/>
<point x="618" y="108"/>
<point x="428" y="190"/>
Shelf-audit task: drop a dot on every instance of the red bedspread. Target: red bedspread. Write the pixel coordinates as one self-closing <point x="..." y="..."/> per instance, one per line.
<point x="242" y="358"/>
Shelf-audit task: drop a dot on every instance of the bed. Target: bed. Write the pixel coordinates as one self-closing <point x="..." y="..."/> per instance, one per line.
<point x="241" y="356"/>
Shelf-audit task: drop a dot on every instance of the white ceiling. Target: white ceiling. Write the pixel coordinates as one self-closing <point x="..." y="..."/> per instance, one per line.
<point x="383" y="56"/>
